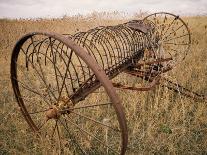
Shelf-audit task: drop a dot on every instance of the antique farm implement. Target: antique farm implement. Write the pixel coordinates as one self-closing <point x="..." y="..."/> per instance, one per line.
<point x="65" y="87"/>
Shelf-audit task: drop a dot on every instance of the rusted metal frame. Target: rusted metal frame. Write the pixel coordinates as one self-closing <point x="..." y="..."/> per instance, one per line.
<point x="67" y="68"/>
<point x="71" y="81"/>
<point x="149" y="74"/>
<point x="84" y="45"/>
<point x="54" y="61"/>
<point x="27" y="50"/>
<point x="139" y="37"/>
<point x="94" y="40"/>
<point x="29" y="46"/>
<point x="108" y="47"/>
<point x="86" y="73"/>
<point x="91" y="87"/>
<point x="118" y="35"/>
<point x="130" y="32"/>
<point x="39" y="43"/>
<point x="90" y="47"/>
<point x="80" y="35"/>
<point x="188" y="30"/>
<point x="127" y="40"/>
<point x="134" y="39"/>
<point x="69" y="59"/>
<point x="155" y="23"/>
<point x="110" y="91"/>
<point x="89" y="72"/>
<point x="183" y="24"/>
<point x="101" y="38"/>
<point x="109" y="30"/>
<point x="88" y="84"/>
<point x="32" y="53"/>
<point x="152" y="77"/>
<point x="152" y="46"/>
<point x="47" y="57"/>
<point x="60" y="74"/>
<point x="156" y="61"/>
<point x="104" y="47"/>
<point x="94" y="33"/>
<point x="124" y="42"/>
<point x="85" y="82"/>
<point x="42" y="77"/>
<point x="119" y="46"/>
<point x="144" y="40"/>
<point x="99" y="73"/>
<point x="147" y="87"/>
<point x="111" y="33"/>
<point x="61" y="48"/>
<point x="83" y="71"/>
<point x="60" y="55"/>
<point x="128" y="44"/>
<point x="121" y="35"/>
<point x="184" y="91"/>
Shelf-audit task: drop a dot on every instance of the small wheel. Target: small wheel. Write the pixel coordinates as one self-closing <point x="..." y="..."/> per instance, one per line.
<point x="170" y="37"/>
<point x="57" y="86"/>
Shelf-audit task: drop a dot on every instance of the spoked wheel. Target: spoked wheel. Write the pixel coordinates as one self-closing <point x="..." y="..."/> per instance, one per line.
<point x="170" y="37"/>
<point x="53" y="80"/>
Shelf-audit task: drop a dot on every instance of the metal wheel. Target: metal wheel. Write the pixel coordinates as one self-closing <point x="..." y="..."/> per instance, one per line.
<point x="170" y="38"/>
<point x="66" y="97"/>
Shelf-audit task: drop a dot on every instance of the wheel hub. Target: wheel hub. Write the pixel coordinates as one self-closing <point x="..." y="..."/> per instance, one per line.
<point x="63" y="106"/>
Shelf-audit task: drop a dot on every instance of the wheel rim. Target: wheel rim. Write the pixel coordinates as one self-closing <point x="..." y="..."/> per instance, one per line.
<point x="38" y="74"/>
<point x="171" y="36"/>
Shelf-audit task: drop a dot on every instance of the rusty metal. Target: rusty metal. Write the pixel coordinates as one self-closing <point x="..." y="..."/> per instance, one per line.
<point x="62" y="72"/>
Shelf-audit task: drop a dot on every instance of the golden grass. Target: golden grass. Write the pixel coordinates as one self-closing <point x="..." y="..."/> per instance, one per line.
<point x="160" y="121"/>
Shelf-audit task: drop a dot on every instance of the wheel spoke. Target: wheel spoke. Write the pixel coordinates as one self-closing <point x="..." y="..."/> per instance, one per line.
<point x="87" y="106"/>
<point x="169" y="26"/>
<point x="35" y="112"/>
<point x="47" y="87"/>
<point x="90" y="134"/>
<point x="43" y="124"/>
<point x="98" y="122"/>
<point x="53" y="131"/>
<point x="71" y="137"/>
<point x="33" y="91"/>
<point x="173" y="32"/>
<point x="176" y="37"/>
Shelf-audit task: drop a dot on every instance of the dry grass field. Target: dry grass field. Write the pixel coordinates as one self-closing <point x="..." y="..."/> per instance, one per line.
<point x="160" y="121"/>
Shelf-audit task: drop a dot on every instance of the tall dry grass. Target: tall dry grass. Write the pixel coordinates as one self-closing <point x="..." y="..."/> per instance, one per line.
<point x="160" y="121"/>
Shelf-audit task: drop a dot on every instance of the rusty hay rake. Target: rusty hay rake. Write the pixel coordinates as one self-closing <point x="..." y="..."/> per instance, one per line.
<point x="63" y="83"/>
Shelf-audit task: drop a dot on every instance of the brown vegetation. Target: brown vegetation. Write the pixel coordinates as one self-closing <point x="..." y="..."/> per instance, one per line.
<point x="160" y="121"/>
